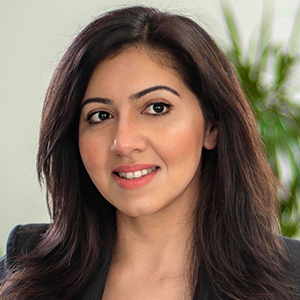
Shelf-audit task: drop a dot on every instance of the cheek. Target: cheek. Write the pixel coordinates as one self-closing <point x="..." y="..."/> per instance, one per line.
<point x="92" y="153"/>
<point x="182" y="142"/>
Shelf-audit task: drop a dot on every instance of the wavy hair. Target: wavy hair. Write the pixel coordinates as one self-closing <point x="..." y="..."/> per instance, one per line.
<point x="236" y="248"/>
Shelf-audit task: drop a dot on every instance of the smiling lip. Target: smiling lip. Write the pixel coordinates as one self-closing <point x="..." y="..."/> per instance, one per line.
<point x="133" y="168"/>
<point x="135" y="182"/>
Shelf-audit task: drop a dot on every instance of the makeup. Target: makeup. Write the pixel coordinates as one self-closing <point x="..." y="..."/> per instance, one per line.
<point x="134" y="176"/>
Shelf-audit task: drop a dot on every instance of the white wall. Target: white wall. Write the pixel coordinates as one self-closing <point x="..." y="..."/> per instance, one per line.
<point x="34" y="34"/>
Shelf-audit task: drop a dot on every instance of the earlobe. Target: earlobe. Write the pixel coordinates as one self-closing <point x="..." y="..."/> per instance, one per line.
<point x="211" y="137"/>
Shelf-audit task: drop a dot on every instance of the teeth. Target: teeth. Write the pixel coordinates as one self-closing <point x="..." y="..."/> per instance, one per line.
<point x="137" y="174"/>
<point x="130" y="175"/>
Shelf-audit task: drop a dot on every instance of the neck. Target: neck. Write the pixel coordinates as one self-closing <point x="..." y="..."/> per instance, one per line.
<point x="155" y="244"/>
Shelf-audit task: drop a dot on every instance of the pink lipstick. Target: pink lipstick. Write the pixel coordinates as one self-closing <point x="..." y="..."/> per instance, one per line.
<point x="134" y="176"/>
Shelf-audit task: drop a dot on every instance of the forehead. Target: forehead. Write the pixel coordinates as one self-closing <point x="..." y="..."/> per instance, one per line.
<point x="133" y="69"/>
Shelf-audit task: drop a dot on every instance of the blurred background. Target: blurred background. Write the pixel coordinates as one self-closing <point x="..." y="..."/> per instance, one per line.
<point x="261" y="38"/>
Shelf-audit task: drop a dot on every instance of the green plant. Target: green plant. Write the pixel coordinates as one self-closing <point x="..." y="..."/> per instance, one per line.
<point x="265" y="72"/>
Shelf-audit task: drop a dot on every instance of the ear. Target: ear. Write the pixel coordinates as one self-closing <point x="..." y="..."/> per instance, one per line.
<point x="210" y="137"/>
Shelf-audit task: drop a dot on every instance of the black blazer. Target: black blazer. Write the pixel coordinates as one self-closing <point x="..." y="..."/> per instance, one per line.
<point x="23" y="239"/>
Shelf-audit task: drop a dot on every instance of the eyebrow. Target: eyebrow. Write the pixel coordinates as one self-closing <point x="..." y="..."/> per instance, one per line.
<point x="153" y="89"/>
<point x="135" y="96"/>
<point x="96" y="100"/>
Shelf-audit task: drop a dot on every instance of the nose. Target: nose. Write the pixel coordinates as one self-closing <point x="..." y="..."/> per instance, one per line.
<point x="128" y="138"/>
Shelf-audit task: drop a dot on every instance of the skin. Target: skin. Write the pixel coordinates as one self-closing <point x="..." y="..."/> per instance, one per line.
<point x="154" y="220"/>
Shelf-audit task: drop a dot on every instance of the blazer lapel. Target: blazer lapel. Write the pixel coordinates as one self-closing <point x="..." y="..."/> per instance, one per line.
<point x="95" y="290"/>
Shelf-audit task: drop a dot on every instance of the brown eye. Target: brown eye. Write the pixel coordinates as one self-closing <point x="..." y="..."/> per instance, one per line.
<point x="99" y="116"/>
<point x="158" y="108"/>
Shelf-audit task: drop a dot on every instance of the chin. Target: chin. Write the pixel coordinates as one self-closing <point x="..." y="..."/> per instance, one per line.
<point x="136" y="210"/>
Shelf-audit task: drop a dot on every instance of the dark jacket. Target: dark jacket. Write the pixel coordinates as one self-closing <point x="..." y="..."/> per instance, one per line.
<point x="23" y="239"/>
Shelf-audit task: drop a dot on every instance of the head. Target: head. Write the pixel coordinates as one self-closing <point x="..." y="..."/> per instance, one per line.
<point x="173" y="42"/>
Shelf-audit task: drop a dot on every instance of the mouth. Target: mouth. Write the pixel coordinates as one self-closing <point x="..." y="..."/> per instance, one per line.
<point x="136" y="174"/>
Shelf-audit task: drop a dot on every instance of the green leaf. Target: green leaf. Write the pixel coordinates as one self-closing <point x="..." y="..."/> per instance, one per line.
<point x="232" y="27"/>
<point x="262" y="50"/>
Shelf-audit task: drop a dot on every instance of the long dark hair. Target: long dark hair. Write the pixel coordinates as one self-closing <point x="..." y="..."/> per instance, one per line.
<point x="236" y="250"/>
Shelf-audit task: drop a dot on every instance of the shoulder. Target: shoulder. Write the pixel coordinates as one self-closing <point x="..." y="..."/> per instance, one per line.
<point x="293" y="250"/>
<point x="22" y="240"/>
<point x="292" y="247"/>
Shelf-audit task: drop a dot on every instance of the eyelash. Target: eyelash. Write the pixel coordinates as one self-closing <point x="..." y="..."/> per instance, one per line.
<point x="91" y="114"/>
<point x="166" y="105"/>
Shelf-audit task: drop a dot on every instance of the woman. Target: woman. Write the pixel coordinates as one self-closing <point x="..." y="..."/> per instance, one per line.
<point x="156" y="181"/>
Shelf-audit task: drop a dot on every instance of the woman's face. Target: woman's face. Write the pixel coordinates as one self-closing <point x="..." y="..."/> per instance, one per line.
<point x="141" y="134"/>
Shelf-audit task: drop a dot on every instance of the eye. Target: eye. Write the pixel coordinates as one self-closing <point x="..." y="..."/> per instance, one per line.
<point x="98" y="117"/>
<point x="159" y="108"/>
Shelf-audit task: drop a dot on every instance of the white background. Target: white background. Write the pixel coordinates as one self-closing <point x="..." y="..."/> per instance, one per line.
<point x="34" y="34"/>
